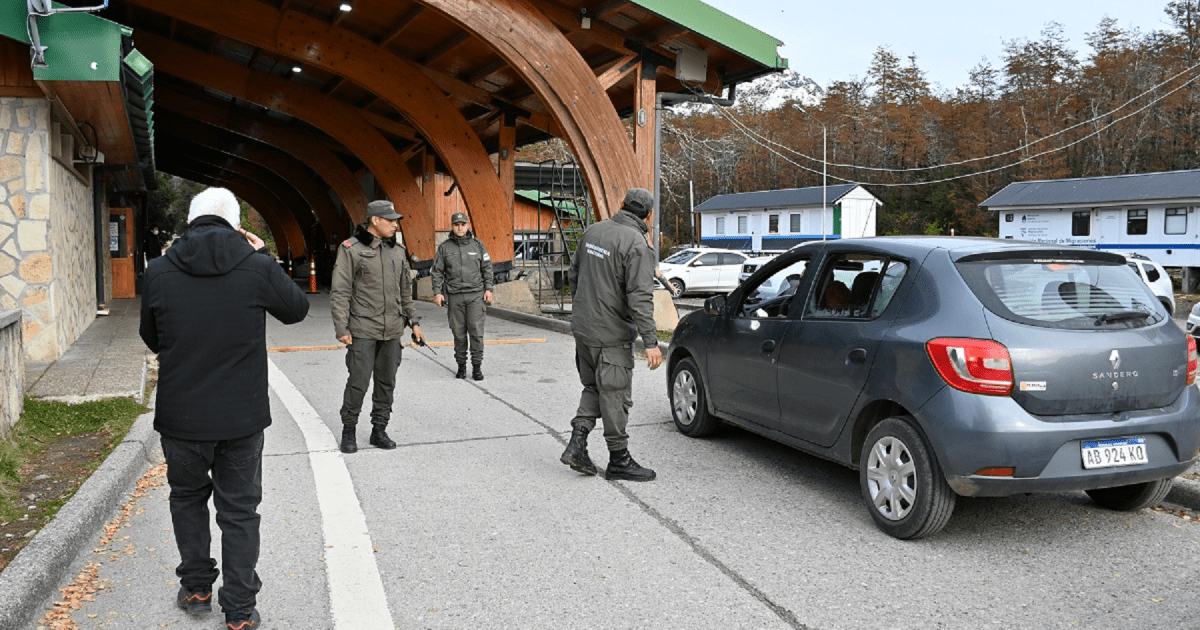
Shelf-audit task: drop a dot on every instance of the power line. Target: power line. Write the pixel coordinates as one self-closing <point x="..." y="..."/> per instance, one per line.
<point x="762" y="141"/>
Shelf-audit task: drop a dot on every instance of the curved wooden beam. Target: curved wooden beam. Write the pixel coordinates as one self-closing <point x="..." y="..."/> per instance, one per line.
<point x="256" y="198"/>
<point x="539" y="52"/>
<point x="294" y="205"/>
<point x="335" y="118"/>
<point x="291" y="171"/>
<point x="397" y="81"/>
<point x="320" y="159"/>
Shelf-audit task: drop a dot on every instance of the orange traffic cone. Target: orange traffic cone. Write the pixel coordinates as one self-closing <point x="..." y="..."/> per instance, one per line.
<point x="312" y="275"/>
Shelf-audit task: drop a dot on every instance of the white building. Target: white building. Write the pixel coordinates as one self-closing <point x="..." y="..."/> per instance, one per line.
<point x="1153" y="214"/>
<point x="774" y="220"/>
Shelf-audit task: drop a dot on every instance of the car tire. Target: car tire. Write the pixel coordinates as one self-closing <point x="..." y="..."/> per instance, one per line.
<point x="1132" y="497"/>
<point x="689" y="401"/>
<point x="679" y="286"/>
<point x="901" y="481"/>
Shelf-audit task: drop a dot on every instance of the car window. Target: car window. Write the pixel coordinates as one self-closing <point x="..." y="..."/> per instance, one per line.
<point x="887" y="288"/>
<point x="1152" y="274"/>
<point x="732" y="259"/>
<point x="680" y="257"/>
<point x="847" y="286"/>
<point x="708" y="260"/>
<point x="773" y="295"/>
<point x="1077" y="294"/>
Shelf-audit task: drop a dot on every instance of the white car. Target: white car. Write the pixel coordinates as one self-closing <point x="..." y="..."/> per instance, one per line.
<point x="703" y="270"/>
<point x="752" y="264"/>
<point x="1156" y="278"/>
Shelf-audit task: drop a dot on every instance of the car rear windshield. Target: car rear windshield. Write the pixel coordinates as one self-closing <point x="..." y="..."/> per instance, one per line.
<point x="1061" y="292"/>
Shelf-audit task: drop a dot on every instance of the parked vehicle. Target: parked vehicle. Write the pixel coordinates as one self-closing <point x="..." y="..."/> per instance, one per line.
<point x="1193" y="320"/>
<point x="703" y="270"/>
<point x="1155" y="277"/>
<point x="945" y="367"/>
<point x="753" y="264"/>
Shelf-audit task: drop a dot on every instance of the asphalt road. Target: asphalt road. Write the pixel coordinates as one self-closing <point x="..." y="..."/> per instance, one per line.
<point x="473" y="523"/>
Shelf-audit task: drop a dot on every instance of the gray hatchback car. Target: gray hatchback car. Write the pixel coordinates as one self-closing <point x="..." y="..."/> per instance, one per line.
<point x="940" y="367"/>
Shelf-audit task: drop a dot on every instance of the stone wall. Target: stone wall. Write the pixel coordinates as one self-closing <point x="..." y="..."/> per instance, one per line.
<point x="12" y="371"/>
<point x="47" y="265"/>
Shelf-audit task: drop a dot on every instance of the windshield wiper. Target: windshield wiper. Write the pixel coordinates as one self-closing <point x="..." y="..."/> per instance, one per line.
<point x="1121" y="316"/>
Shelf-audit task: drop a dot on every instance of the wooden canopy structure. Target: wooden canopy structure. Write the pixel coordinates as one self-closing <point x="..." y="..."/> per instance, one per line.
<point x="308" y="109"/>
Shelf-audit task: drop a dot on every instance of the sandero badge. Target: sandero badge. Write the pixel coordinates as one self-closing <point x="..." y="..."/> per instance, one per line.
<point x="942" y="368"/>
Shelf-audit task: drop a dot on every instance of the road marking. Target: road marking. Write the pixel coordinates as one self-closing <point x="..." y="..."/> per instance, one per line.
<point x="439" y="344"/>
<point x="356" y="595"/>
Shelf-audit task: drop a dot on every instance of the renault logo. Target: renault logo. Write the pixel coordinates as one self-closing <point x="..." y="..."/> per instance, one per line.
<point x="1115" y="359"/>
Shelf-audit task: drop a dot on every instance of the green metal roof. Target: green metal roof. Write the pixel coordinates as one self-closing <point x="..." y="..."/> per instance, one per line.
<point x="79" y="46"/>
<point x="720" y="27"/>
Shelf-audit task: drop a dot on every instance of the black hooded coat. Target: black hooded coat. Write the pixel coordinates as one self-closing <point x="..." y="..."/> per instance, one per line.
<point x="203" y="311"/>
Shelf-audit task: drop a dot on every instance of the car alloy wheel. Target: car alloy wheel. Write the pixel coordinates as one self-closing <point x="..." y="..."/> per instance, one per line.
<point x="689" y="402"/>
<point x="901" y="482"/>
<point x="679" y="285"/>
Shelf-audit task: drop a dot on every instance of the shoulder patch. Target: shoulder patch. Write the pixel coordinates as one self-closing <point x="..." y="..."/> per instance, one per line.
<point x="348" y="243"/>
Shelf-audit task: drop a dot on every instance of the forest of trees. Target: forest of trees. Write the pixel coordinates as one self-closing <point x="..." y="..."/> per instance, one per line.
<point x="1130" y="104"/>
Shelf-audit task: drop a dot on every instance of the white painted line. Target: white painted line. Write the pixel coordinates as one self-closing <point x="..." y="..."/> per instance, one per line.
<point x="356" y="595"/>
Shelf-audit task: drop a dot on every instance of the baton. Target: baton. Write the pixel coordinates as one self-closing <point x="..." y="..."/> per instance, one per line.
<point x="423" y="344"/>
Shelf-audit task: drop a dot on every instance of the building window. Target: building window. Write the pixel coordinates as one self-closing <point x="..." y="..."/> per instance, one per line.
<point x="794" y="223"/>
<point x="1136" y="223"/>
<point x="773" y="224"/>
<point x="1176" y="221"/>
<point x="743" y="224"/>
<point x="1081" y="223"/>
<point x="720" y="225"/>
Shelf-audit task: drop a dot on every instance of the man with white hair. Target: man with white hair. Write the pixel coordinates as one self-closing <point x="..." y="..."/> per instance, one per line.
<point x="203" y="307"/>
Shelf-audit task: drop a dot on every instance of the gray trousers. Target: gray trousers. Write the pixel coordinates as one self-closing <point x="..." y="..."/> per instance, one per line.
<point x="607" y="378"/>
<point x="366" y="358"/>
<point x="466" y="315"/>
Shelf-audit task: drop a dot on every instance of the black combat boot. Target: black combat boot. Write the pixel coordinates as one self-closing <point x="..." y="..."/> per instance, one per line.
<point x="622" y="466"/>
<point x="348" y="443"/>
<point x="380" y="438"/>
<point x="477" y="372"/>
<point x="576" y="455"/>
<point x="462" y="370"/>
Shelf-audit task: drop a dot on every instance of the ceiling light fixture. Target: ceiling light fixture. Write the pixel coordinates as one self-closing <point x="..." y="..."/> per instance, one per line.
<point x="346" y="5"/>
<point x="296" y="68"/>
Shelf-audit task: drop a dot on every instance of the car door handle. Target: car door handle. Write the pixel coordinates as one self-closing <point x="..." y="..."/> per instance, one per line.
<point x="857" y="355"/>
<point x="768" y="346"/>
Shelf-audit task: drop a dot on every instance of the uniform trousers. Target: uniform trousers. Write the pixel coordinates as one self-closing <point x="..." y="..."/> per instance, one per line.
<point x="367" y="358"/>
<point x="607" y="377"/>
<point x="466" y="316"/>
<point x="230" y="472"/>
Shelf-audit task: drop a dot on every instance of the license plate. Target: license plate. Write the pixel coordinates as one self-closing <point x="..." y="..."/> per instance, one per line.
<point x="1114" y="452"/>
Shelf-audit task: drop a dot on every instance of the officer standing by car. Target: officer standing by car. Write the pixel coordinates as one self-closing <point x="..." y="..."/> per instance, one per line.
<point x="612" y="286"/>
<point x="371" y="303"/>
<point x="462" y="280"/>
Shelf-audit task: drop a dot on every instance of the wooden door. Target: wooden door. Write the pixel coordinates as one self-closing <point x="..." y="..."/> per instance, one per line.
<point x="121" y="234"/>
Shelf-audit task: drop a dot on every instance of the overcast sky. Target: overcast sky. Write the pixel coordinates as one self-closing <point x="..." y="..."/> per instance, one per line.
<point x="835" y="40"/>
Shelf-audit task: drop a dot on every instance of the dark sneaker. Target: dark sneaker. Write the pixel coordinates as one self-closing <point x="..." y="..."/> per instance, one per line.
<point x="462" y="371"/>
<point x="247" y="619"/>
<point x="195" y="601"/>
<point x="477" y="373"/>
<point x="349" y="444"/>
<point x="380" y="438"/>
<point x="622" y="466"/>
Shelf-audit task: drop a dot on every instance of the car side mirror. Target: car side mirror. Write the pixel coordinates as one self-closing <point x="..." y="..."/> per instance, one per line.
<point x="698" y="263"/>
<point x="715" y="305"/>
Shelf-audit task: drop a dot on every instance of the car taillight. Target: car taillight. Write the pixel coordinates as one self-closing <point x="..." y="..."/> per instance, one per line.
<point x="972" y="365"/>
<point x="1192" y="360"/>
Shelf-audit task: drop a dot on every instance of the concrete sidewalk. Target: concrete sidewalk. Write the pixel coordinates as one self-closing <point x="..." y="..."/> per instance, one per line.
<point x="475" y="493"/>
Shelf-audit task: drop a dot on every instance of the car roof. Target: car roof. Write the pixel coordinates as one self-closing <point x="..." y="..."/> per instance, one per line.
<point x="956" y="246"/>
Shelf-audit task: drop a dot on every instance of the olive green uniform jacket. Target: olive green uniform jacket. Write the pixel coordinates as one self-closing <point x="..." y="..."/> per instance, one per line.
<point x="462" y="265"/>
<point x="612" y="284"/>
<point x="371" y="294"/>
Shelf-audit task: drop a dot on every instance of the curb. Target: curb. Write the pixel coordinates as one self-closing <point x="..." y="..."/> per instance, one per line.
<point x="1185" y="493"/>
<point x="556" y="325"/>
<point x="34" y="575"/>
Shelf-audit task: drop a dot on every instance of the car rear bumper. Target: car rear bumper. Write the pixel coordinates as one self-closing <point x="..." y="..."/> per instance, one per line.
<point x="1045" y="452"/>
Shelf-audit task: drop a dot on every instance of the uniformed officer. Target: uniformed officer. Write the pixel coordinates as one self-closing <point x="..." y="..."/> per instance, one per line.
<point x="612" y="285"/>
<point x="371" y="302"/>
<point x="462" y="279"/>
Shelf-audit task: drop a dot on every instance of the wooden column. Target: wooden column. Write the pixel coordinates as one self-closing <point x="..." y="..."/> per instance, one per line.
<point x="644" y="116"/>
